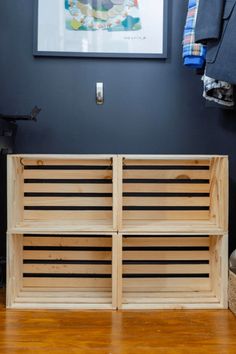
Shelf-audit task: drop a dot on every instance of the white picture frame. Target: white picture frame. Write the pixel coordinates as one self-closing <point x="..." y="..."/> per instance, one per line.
<point x="101" y="28"/>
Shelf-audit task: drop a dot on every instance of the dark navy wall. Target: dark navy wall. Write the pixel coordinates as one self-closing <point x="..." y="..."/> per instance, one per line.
<point x="151" y="106"/>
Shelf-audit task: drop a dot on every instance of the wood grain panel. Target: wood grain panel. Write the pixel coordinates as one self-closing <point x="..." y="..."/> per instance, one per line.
<point x="91" y="283"/>
<point x="67" y="188"/>
<point x="166" y="174"/>
<point x="67" y="241"/>
<point x="68" y="255"/>
<point x="167" y="255"/>
<point x="166" y="215"/>
<point x="50" y="215"/>
<point x="166" y="188"/>
<point x="68" y="174"/>
<point x="68" y="268"/>
<point x="67" y="201"/>
<point x="166" y="201"/>
<point x="165" y="241"/>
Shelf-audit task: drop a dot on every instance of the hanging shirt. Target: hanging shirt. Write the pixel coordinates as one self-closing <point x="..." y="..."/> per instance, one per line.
<point x="193" y="53"/>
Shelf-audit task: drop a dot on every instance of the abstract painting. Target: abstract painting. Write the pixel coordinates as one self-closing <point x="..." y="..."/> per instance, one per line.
<point x="109" y="15"/>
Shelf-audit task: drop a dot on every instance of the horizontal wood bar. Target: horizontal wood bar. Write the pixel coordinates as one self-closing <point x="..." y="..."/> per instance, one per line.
<point x="166" y="201"/>
<point x="38" y="215"/>
<point x="166" y="215"/>
<point x="67" y="174"/>
<point x="73" y="255"/>
<point x="74" y="201"/>
<point x="166" y="174"/>
<point x="165" y="241"/>
<point x="67" y="241"/>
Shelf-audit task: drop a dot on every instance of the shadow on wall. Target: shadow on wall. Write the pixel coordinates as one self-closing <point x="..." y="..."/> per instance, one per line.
<point x="228" y="120"/>
<point x="3" y="217"/>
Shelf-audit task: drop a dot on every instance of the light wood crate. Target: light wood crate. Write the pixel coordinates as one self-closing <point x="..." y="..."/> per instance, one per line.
<point x="62" y="192"/>
<point x="70" y="215"/>
<point x="172" y="272"/>
<point x="173" y="193"/>
<point x="62" y="271"/>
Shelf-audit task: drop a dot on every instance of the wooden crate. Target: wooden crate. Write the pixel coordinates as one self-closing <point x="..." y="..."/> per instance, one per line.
<point x="62" y="271"/>
<point x="70" y="215"/>
<point x="62" y="192"/>
<point x="172" y="272"/>
<point x="173" y="193"/>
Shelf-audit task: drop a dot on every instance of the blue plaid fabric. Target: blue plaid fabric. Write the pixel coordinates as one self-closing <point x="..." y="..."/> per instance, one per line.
<point x="193" y="53"/>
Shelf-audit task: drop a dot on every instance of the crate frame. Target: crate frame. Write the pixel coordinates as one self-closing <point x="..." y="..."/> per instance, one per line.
<point x="218" y="211"/>
<point x="43" y="297"/>
<point x="216" y="298"/>
<point x="15" y="177"/>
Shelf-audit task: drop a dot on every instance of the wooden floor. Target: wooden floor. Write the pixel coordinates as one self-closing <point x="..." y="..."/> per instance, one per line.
<point x="136" y="332"/>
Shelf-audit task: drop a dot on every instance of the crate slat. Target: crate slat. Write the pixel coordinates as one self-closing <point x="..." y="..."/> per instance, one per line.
<point x="66" y="201"/>
<point x="68" y="174"/>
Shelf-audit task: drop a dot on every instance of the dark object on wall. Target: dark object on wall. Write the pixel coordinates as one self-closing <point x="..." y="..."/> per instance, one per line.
<point x="13" y="118"/>
<point x="8" y="129"/>
<point x="7" y="136"/>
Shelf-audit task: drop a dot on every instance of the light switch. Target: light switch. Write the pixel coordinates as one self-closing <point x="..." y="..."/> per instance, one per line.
<point x="99" y="93"/>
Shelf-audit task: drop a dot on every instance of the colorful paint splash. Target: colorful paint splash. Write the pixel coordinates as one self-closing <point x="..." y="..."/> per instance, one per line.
<point x="109" y="15"/>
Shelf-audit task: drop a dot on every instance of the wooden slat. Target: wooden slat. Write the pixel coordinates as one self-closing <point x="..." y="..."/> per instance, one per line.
<point x="166" y="241"/>
<point x="59" y="292"/>
<point x="166" y="284"/>
<point x="164" y="215"/>
<point x="175" y="227"/>
<point x="166" y="201"/>
<point x="67" y="201"/>
<point x="171" y="300"/>
<point x="166" y="174"/>
<point x="166" y="269"/>
<point x="68" y="241"/>
<point x="169" y="294"/>
<point x="38" y="215"/>
<point x="66" y="300"/>
<point x="165" y="255"/>
<point x="67" y="188"/>
<point x="165" y="188"/>
<point x="68" y="282"/>
<point x="68" y="268"/>
<point x="158" y="160"/>
<point x="61" y="160"/>
<point x="68" y="174"/>
<point x="68" y="255"/>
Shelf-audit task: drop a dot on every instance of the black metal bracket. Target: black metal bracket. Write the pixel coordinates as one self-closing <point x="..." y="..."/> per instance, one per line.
<point x="13" y="118"/>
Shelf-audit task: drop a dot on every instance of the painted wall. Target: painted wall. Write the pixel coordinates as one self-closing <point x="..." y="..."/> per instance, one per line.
<point x="151" y="106"/>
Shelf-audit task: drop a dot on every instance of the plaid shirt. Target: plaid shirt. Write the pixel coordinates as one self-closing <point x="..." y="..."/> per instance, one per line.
<point x="193" y="53"/>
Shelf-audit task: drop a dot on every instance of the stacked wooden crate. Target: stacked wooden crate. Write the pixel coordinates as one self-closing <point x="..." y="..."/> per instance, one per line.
<point x="117" y="231"/>
<point x="61" y="239"/>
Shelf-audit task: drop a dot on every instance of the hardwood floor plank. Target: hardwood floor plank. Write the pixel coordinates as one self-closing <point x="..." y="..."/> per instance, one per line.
<point x="111" y="332"/>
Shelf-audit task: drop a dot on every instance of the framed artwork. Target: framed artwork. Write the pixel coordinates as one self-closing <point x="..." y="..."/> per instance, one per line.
<point x="101" y="28"/>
